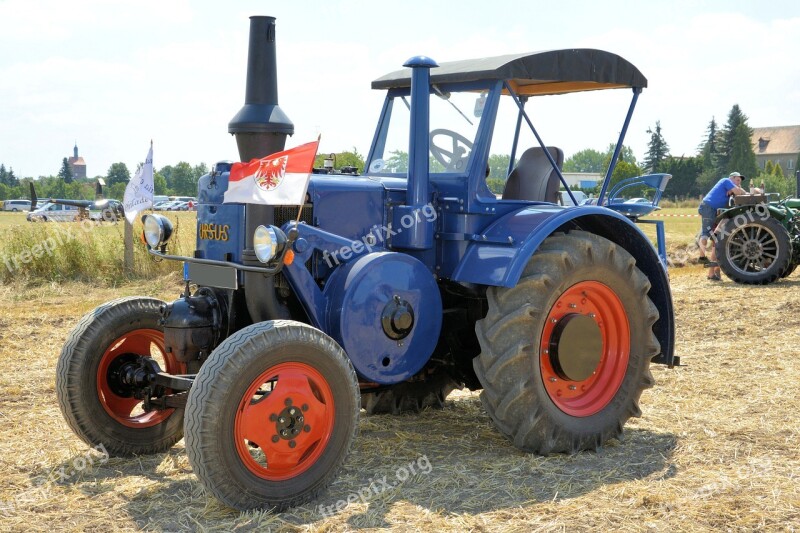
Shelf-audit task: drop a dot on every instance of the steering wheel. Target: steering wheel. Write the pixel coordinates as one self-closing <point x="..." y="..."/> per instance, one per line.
<point x="455" y="158"/>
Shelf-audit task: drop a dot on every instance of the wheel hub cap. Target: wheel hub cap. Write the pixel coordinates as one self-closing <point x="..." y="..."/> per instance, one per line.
<point x="585" y="348"/>
<point x="579" y="339"/>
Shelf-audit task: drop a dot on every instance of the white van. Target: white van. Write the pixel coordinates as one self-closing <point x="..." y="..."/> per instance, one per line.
<point x="54" y="212"/>
<point x="17" y="205"/>
<point x="566" y="200"/>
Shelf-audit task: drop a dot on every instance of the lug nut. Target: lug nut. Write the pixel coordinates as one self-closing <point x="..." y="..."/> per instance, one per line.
<point x="292" y="444"/>
<point x="275" y="438"/>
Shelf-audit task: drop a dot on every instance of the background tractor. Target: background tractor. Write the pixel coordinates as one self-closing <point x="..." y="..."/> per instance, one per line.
<point x="758" y="242"/>
<point x="387" y="290"/>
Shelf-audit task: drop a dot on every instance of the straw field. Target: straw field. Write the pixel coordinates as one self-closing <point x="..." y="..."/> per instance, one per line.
<point x="715" y="449"/>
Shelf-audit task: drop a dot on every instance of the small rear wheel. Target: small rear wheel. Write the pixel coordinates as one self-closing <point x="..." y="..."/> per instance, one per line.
<point x="271" y="416"/>
<point x="754" y="252"/>
<point x="565" y="354"/>
<point x="96" y="399"/>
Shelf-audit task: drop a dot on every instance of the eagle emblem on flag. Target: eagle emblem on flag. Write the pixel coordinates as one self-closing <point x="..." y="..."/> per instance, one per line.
<point x="270" y="173"/>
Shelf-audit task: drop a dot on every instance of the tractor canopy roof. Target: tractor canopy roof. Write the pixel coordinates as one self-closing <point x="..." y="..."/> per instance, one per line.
<point x="534" y="73"/>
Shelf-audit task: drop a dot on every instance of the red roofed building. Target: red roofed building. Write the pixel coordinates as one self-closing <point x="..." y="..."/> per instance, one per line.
<point x="77" y="164"/>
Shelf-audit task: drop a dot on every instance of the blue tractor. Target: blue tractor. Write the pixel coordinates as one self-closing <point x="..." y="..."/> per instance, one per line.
<point x="388" y="289"/>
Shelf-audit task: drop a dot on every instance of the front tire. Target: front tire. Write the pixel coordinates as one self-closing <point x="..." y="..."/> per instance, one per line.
<point x="271" y="416"/>
<point x="100" y="409"/>
<point x="754" y="252"/>
<point x="565" y="354"/>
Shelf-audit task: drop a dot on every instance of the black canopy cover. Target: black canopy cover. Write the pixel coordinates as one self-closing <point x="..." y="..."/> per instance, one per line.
<point x="534" y="73"/>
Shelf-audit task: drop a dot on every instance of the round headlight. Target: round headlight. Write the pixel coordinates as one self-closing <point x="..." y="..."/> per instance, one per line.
<point x="268" y="243"/>
<point x="157" y="230"/>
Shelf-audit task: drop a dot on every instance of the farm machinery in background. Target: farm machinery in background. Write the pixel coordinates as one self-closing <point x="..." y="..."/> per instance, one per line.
<point x="758" y="241"/>
<point x="389" y="289"/>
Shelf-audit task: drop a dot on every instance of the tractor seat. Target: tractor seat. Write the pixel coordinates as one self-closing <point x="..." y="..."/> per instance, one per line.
<point x="534" y="178"/>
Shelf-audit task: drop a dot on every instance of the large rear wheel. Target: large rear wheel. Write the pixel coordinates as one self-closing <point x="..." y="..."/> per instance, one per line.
<point x="565" y="354"/>
<point x="271" y="416"/>
<point x="94" y="391"/>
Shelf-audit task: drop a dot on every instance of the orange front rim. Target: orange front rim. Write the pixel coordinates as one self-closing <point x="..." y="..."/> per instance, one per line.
<point x="126" y="409"/>
<point x="284" y="421"/>
<point x="585" y="348"/>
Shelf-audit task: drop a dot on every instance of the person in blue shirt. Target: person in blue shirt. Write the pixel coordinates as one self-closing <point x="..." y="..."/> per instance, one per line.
<point x="717" y="198"/>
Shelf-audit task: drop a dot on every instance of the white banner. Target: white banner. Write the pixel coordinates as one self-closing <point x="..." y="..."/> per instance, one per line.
<point x="139" y="192"/>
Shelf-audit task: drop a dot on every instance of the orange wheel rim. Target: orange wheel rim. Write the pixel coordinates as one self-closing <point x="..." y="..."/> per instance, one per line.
<point x="284" y="421"/>
<point x="585" y="348"/>
<point x="139" y="342"/>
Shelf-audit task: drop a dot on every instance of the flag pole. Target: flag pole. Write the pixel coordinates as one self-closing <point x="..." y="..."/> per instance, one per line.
<point x="300" y="211"/>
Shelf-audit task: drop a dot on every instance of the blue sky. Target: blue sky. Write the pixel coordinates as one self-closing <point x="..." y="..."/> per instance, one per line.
<point x="113" y="75"/>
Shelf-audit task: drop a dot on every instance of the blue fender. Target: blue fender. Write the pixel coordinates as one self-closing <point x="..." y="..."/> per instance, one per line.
<point x="499" y="254"/>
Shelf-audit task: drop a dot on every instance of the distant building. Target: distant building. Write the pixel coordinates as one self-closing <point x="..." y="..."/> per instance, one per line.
<point x="77" y="164"/>
<point x="582" y="180"/>
<point x="779" y="144"/>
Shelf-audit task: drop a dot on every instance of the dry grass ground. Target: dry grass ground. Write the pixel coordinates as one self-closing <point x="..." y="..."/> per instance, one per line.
<point x="716" y="448"/>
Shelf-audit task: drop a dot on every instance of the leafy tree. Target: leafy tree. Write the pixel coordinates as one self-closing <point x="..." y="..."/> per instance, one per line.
<point x="587" y="160"/>
<point x="5" y="192"/>
<point x="167" y="173"/>
<point x="398" y="162"/>
<point x="742" y="158"/>
<point x="115" y="190"/>
<point x="184" y="179"/>
<point x="498" y="169"/>
<point x="657" y="149"/>
<point x="159" y="183"/>
<point x="343" y="159"/>
<point x="625" y="154"/>
<point x="66" y="172"/>
<point x="685" y="171"/>
<point x="779" y="171"/>
<point x="769" y="168"/>
<point x="727" y="140"/>
<point x="496" y="185"/>
<point x="776" y="184"/>
<point x="118" y="173"/>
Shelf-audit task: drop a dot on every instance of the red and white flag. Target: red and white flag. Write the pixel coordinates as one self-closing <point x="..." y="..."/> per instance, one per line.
<point x="278" y="179"/>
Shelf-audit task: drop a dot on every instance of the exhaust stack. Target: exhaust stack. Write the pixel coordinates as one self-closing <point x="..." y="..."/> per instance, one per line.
<point x="260" y="128"/>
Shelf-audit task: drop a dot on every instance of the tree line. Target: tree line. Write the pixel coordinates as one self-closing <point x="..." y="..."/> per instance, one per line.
<point x="170" y="180"/>
<point x="723" y="150"/>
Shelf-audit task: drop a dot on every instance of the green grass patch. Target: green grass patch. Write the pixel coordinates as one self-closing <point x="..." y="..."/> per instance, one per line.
<point x="84" y="251"/>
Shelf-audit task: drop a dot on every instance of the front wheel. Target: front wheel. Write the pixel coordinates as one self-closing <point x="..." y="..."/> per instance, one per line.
<point x="565" y="354"/>
<point x="754" y="252"/>
<point x="98" y="402"/>
<point x="271" y="416"/>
